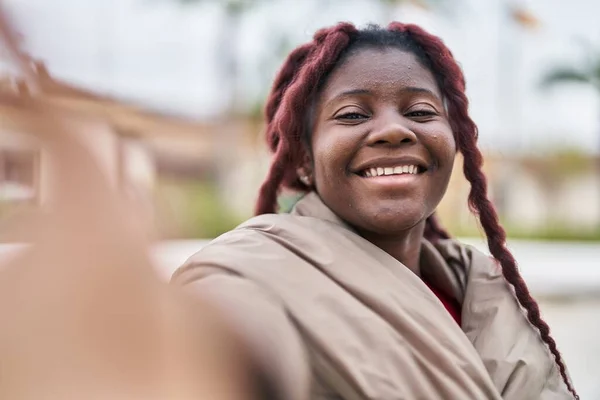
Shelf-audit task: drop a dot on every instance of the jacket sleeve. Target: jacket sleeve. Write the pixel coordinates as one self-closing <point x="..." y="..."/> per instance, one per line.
<point x="259" y="320"/>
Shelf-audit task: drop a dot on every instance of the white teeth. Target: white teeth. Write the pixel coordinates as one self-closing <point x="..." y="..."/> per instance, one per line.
<point x="404" y="169"/>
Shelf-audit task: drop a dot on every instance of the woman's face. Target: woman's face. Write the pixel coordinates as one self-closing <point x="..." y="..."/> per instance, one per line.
<point x="382" y="147"/>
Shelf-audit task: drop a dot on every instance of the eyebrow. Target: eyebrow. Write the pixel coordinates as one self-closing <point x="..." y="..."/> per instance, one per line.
<point x="350" y="93"/>
<point x="357" y="92"/>
<point x="414" y="89"/>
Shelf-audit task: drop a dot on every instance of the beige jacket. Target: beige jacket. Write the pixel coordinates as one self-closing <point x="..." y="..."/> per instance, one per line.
<point x="331" y="316"/>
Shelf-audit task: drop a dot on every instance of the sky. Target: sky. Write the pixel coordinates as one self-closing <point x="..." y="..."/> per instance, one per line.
<point x="165" y="56"/>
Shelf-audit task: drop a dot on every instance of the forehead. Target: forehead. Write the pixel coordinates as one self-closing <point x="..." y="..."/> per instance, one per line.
<point x="378" y="70"/>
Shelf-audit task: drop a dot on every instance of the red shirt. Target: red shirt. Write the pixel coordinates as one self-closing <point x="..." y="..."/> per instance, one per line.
<point x="451" y="304"/>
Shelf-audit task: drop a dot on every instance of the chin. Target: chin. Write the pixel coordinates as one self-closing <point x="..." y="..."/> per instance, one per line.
<point x="393" y="222"/>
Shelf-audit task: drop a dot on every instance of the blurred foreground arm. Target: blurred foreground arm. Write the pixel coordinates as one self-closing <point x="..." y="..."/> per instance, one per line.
<point x="259" y="320"/>
<point x="83" y="314"/>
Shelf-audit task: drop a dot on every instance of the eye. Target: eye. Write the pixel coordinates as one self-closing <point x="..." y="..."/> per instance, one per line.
<point x="351" y="116"/>
<point x="423" y="114"/>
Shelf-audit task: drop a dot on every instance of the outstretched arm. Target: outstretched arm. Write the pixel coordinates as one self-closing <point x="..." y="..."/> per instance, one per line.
<point x="261" y="324"/>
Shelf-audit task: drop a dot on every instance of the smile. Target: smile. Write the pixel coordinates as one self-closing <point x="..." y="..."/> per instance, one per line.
<point x="386" y="171"/>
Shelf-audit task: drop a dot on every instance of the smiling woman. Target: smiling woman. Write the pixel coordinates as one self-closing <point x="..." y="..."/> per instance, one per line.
<point x="358" y="293"/>
<point x="382" y="117"/>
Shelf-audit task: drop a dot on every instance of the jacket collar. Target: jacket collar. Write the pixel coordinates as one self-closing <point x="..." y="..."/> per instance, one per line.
<point x="450" y="280"/>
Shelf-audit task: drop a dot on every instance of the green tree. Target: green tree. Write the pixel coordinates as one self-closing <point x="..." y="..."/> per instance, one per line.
<point x="585" y="73"/>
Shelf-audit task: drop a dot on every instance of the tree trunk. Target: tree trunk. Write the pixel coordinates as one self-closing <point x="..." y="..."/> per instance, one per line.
<point x="228" y="55"/>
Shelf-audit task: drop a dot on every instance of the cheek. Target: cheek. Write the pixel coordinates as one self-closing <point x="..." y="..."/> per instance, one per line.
<point x="446" y="156"/>
<point x="443" y="145"/>
<point x="331" y="156"/>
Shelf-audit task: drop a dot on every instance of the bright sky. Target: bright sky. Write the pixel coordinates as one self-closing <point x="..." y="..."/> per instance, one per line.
<point x="164" y="55"/>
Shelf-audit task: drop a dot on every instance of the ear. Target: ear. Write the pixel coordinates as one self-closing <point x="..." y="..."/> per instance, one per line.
<point x="305" y="172"/>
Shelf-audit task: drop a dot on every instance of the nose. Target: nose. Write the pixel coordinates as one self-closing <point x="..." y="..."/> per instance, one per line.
<point x="392" y="130"/>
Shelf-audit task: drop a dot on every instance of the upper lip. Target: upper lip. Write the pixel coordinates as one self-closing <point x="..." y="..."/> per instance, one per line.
<point x="391" y="162"/>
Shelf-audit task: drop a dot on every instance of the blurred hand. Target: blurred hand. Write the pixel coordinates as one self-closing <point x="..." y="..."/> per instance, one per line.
<point x="83" y="314"/>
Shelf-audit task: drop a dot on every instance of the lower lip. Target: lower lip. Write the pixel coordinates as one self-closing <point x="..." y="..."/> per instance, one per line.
<point x="392" y="180"/>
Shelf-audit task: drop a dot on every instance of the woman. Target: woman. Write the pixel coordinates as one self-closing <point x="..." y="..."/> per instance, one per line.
<point x="358" y="293"/>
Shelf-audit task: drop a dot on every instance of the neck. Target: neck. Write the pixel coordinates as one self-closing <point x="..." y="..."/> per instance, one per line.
<point x="404" y="247"/>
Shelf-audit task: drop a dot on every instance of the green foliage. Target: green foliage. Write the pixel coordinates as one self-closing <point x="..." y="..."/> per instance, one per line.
<point x="565" y="74"/>
<point x="560" y="164"/>
<point x="196" y="210"/>
<point x="286" y="201"/>
<point x="553" y="231"/>
<point x="587" y="72"/>
<point x="193" y="209"/>
<point x="569" y="162"/>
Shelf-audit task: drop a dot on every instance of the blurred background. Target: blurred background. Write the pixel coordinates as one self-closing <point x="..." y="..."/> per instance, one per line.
<point x="177" y="88"/>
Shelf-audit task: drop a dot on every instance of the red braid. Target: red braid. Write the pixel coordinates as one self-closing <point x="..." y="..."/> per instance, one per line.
<point x="284" y="77"/>
<point x="452" y="84"/>
<point x="295" y="83"/>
